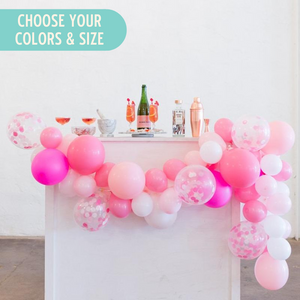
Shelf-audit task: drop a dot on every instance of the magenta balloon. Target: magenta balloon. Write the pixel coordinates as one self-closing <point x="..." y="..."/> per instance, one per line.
<point x="172" y="167"/>
<point x="285" y="173"/>
<point x="282" y="138"/>
<point x="101" y="175"/>
<point x="156" y="180"/>
<point x="86" y="154"/>
<point x="270" y="273"/>
<point x="223" y="128"/>
<point x="222" y="194"/>
<point x="49" y="167"/>
<point x="120" y="208"/>
<point x="254" y="211"/>
<point x="239" y="168"/>
<point x="246" y="194"/>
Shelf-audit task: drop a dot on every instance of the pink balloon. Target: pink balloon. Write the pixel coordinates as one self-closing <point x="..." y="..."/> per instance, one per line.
<point x="282" y="138"/>
<point x="212" y="136"/>
<point x="84" y="186"/>
<point x="65" y="143"/>
<point x="279" y="204"/>
<point x="223" y="129"/>
<point x="66" y="187"/>
<point x="120" y="208"/>
<point x="194" y="158"/>
<point x="246" y="194"/>
<point x="285" y="173"/>
<point x="172" y="167"/>
<point x="51" y="137"/>
<point x="169" y="202"/>
<point x="270" y="273"/>
<point x="126" y="180"/>
<point x="222" y="194"/>
<point x="86" y="154"/>
<point x="266" y="185"/>
<point x="254" y="211"/>
<point x="239" y="168"/>
<point x="156" y="180"/>
<point x="49" y="167"/>
<point x="101" y="175"/>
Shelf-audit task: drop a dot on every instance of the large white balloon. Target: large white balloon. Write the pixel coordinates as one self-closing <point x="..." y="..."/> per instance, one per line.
<point x="274" y="226"/>
<point x="279" y="248"/>
<point x="142" y="205"/>
<point x="211" y="152"/>
<point x="271" y="164"/>
<point x="66" y="187"/>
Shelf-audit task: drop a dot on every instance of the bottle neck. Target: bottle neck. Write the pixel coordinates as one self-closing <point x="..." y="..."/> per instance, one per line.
<point x="144" y="98"/>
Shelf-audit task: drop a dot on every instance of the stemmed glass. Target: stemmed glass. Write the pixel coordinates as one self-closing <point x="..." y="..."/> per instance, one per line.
<point x="89" y="121"/>
<point x="62" y="121"/>
<point x="153" y="113"/>
<point x="130" y="113"/>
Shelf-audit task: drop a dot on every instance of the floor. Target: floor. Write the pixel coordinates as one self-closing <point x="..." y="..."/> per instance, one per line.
<point x="22" y="273"/>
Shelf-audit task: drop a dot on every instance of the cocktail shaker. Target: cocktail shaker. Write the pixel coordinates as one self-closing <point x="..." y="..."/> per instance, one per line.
<point x="196" y="116"/>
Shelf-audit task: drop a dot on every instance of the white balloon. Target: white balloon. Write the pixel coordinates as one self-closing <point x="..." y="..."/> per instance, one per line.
<point x="66" y="186"/>
<point x="279" y="248"/>
<point x="211" y="152"/>
<point x="142" y="205"/>
<point x="65" y="143"/>
<point x="36" y="151"/>
<point x="169" y="201"/>
<point x="85" y="186"/>
<point x="271" y="164"/>
<point x="274" y="226"/>
<point x="288" y="229"/>
<point x="266" y="185"/>
<point x="282" y="188"/>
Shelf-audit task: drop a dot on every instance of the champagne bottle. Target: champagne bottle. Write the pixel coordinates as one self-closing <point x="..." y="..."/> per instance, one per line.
<point x="143" y="121"/>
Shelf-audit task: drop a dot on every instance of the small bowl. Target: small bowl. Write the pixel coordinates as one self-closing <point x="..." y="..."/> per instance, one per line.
<point x="107" y="126"/>
<point x="84" y="130"/>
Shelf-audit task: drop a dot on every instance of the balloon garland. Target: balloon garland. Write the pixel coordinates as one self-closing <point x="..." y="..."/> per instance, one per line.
<point x="241" y="158"/>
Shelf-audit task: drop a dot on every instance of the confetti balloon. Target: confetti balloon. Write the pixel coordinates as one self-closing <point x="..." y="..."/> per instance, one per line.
<point x="247" y="240"/>
<point x="251" y="132"/>
<point x="24" y="130"/>
<point x="195" y="184"/>
<point x="91" y="213"/>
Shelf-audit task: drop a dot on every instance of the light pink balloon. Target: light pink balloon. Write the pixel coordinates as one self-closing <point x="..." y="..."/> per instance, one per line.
<point x="65" y="143"/>
<point x="270" y="273"/>
<point x="239" y="168"/>
<point x="86" y="154"/>
<point x="169" y="202"/>
<point x="254" y="211"/>
<point x="282" y="138"/>
<point x="156" y="180"/>
<point x="84" y="186"/>
<point x="223" y="129"/>
<point x="194" y="158"/>
<point x="51" y="137"/>
<point x="212" y="136"/>
<point x="279" y="204"/>
<point x="101" y="176"/>
<point x="266" y="185"/>
<point x="126" y="180"/>
<point x="172" y="167"/>
<point x="66" y="187"/>
<point x="120" y="208"/>
<point x="246" y="194"/>
<point x="285" y="173"/>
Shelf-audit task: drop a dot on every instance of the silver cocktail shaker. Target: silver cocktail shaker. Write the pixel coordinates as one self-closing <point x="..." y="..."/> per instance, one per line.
<point x="196" y="116"/>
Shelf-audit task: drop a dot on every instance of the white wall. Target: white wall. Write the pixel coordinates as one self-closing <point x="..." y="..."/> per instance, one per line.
<point x="238" y="56"/>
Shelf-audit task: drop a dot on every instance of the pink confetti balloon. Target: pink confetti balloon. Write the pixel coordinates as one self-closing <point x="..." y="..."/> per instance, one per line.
<point x="211" y="136"/>
<point x="195" y="184"/>
<point x="279" y="204"/>
<point x="172" y="167"/>
<point x="156" y="180"/>
<point x="120" y="208"/>
<point x="49" y="167"/>
<point x="282" y="138"/>
<point x="51" y="137"/>
<point x="285" y="173"/>
<point x="24" y="130"/>
<point x="169" y="202"/>
<point x="270" y="273"/>
<point x="266" y="185"/>
<point x="247" y="240"/>
<point x="254" y="211"/>
<point x="86" y="154"/>
<point x="223" y="128"/>
<point x="239" y="168"/>
<point x="250" y="132"/>
<point x="246" y="194"/>
<point x="84" y="186"/>
<point x="101" y="175"/>
<point x="91" y="213"/>
<point x="194" y="158"/>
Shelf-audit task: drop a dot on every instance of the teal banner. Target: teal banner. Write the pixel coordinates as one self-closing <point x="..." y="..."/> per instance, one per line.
<point x="61" y="30"/>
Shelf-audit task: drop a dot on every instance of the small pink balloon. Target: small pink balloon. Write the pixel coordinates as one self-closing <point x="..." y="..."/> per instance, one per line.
<point x="169" y="202"/>
<point x="172" y="167"/>
<point x="285" y="173"/>
<point x="266" y="185"/>
<point x="194" y="158"/>
<point x="223" y="128"/>
<point x="84" y="186"/>
<point x="246" y="194"/>
<point x="282" y="138"/>
<point x="126" y="180"/>
<point x="254" y="211"/>
<point x="49" y="167"/>
<point x="101" y="175"/>
<point x="222" y="194"/>
<point x="51" y="137"/>
<point x="156" y="180"/>
<point x="65" y="143"/>
<point x="211" y="136"/>
<point x="279" y="204"/>
<point x="86" y="154"/>
<point x="239" y="168"/>
<point x="270" y="273"/>
<point x="120" y="208"/>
